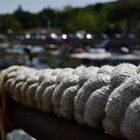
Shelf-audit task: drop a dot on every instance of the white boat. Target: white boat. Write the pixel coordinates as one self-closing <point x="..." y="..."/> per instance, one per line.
<point x="4" y="43"/>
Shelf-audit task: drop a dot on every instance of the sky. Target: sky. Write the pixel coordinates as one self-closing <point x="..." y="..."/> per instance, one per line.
<point x="8" y="6"/>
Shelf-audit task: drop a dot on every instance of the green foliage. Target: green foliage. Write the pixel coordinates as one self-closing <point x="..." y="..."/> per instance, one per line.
<point x="46" y="17"/>
<point x="121" y="16"/>
<point x="127" y="12"/>
<point x="8" y="22"/>
<point x="86" y="21"/>
<point x="26" y="19"/>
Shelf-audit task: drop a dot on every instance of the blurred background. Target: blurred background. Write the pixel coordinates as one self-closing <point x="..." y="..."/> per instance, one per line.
<point x="62" y="33"/>
<point x="68" y="33"/>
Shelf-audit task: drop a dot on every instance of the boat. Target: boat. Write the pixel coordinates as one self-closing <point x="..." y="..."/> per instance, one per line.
<point x="4" y="42"/>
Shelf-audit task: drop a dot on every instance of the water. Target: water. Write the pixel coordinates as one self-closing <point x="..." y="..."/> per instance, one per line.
<point x="19" y="135"/>
<point x="33" y="56"/>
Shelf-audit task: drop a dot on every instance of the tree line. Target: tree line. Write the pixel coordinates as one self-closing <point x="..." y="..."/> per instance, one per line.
<point x="122" y="16"/>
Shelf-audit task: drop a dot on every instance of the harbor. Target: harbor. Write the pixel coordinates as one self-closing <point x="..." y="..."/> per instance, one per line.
<point x="60" y="50"/>
<point x="70" y="70"/>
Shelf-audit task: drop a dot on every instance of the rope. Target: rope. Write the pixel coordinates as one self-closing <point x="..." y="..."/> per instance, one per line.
<point x="5" y="122"/>
<point x="3" y="109"/>
<point x="85" y="94"/>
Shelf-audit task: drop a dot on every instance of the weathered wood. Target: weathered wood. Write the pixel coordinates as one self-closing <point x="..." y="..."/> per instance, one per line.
<point x="46" y="126"/>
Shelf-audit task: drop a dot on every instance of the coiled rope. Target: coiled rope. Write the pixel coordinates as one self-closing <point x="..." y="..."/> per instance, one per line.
<point x="98" y="97"/>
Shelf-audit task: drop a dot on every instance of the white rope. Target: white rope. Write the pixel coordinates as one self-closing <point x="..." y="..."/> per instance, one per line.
<point x="131" y="124"/>
<point x="95" y="106"/>
<point x="90" y="95"/>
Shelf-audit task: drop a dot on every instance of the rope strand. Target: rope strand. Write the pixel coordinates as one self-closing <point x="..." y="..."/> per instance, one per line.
<point x="74" y="94"/>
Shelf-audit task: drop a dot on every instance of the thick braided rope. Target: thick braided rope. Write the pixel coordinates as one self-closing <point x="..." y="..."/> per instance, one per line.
<point x="99" y="97"/>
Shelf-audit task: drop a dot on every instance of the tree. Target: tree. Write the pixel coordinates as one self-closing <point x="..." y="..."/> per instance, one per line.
<point x="26" y="19"/>
<point x="124" y="12"/>
<point x="8" y="22"/>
